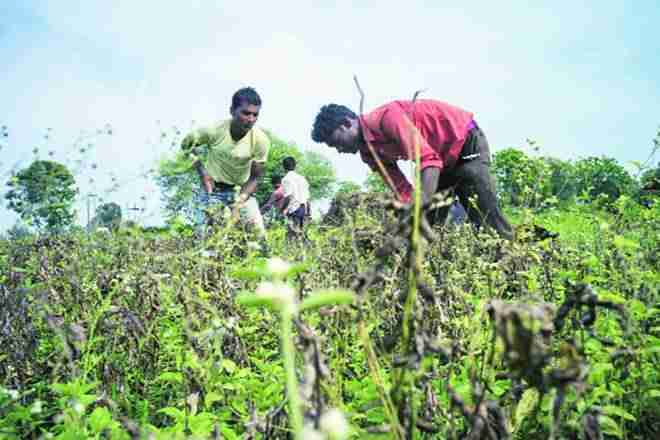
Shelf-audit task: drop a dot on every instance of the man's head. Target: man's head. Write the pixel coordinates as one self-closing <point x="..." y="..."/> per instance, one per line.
<point x="289" y="163"/>
<point x="245" y="106"/>
<point x="338" y="127"/>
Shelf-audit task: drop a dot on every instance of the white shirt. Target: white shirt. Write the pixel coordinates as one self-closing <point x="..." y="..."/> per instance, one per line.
<point x="297" y="187"/>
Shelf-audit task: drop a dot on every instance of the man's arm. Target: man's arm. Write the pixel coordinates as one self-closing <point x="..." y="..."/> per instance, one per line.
<point x="402" y="187"/>
<point x="188" y="145"/>
<point x="207" y="180"/>
<point x="285" y="203"/>
<point x="269" y="204"/>
<point x="430" y="178"/>
<point x="250" y="186"/>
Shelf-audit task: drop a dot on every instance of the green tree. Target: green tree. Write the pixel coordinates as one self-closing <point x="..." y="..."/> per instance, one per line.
<point x="319" y="173"/>
<point x="375" y="183"/>
<point x="562" y="182"/>
<point x="179" y="182"/>
<point x="108" y="215"/>
<point x="602" y="177"/>
<point x="649" y="183"/>
<point x="348" y="187"/>
<point x="18" y="231"/>
<point x="519" y="177"/>
<point x="43" y="195"/>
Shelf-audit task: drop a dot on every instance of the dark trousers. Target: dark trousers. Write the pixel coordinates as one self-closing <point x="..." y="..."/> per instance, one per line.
<point x="471" y="179"/>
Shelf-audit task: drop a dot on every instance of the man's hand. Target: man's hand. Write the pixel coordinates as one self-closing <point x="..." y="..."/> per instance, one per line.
<point x="242" y="198"/>
<point x="250" y="186"/>
<point x="239" y="202"/>
<point x="430" y="177"/>
<point x="207" y="181"/>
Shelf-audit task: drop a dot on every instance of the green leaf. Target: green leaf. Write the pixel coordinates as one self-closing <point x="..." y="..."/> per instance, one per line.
<point x="252" y="300"/>
<point x="175" y="413"/>
<point x="228" y="365"/>
<point x="612" y="410"/>
<point x="297" y="269"/>
<point x="171" y="376"/>
<point x="654" y="394"/>
<point x="320" y="298"/>
<point x="652" y="350"/>
<point x="211" y="398"/>
<point x="100" y="419"/>
<point x="61" y="388"/>
<point x="500" y="387"/>
<point x="605" y="295"/>
<point x="228" y="433"/>
<point x="202" y="424"/>
<point x="637" y="308"/>
<point x="625" y="244"/>
<point x="528" y="401"/>
<point x="252" y="273"/>
<point x="609" y="426"/>
<point x="599" y="372"/>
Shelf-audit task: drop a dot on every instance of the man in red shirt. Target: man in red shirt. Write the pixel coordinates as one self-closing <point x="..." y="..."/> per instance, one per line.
<point x="276" y="197"/>
<point x="453" y="152"/>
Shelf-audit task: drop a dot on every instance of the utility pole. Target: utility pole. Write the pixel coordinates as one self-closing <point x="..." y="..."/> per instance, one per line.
<point x="89" y="197"/>
<point x="135" y="209"/>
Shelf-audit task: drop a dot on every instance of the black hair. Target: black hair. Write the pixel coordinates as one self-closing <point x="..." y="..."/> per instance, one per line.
<point x="246" y="94"/>
<point x="289" y="163"/>
<point x="328" y="120"/>
<point x="275" y="179"/>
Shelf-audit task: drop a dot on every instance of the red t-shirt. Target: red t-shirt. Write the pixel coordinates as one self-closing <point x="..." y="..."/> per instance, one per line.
<point x="392" y="129"/>
<point x="279" y="197"/>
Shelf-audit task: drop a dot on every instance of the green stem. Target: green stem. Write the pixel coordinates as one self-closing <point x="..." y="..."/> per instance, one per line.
<point x="415" y="263"/>
<point x="290" y="368"/>
<point x="374" y="367"/>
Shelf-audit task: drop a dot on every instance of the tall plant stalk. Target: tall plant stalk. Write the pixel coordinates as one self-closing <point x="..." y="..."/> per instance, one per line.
<point x="289" y="356"/>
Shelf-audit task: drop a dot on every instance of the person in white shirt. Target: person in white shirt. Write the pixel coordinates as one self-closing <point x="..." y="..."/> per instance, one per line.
<point x="296" y="205"/>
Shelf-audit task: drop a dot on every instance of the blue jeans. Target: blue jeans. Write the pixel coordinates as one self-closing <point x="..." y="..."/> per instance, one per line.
<point x="206" y="200"/>
<point x="249" y="212"/>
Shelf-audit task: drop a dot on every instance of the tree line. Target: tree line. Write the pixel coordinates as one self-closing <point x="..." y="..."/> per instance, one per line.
<point x="43" y="193"/>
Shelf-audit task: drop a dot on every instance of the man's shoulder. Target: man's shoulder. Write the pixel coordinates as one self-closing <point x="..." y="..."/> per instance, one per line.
<point x="404" y="106"/>
<point x="260" y="135"/>
<point x="374" y="121"/>
<point x="378" y="112"/>
<point x="298" y="176"/>
<point x="214" y="129"/>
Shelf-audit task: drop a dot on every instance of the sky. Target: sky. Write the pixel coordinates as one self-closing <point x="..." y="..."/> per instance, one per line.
<point x="108" y="78"/>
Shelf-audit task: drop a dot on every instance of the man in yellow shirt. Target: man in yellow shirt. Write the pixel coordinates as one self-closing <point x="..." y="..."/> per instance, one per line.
<point x="232" y="154"/>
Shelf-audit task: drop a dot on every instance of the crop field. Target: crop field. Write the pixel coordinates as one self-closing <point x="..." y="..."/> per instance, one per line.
<point x="375" y="326"/>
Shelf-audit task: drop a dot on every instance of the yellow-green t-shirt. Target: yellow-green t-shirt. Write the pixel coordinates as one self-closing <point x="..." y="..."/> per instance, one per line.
<point x="227" y="160"/>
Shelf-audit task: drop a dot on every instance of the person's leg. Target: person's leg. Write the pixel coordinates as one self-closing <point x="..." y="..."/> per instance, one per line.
<point x="476" y="182"/>
<point x="295" y="223"/>
<point x="252" y="215"/>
